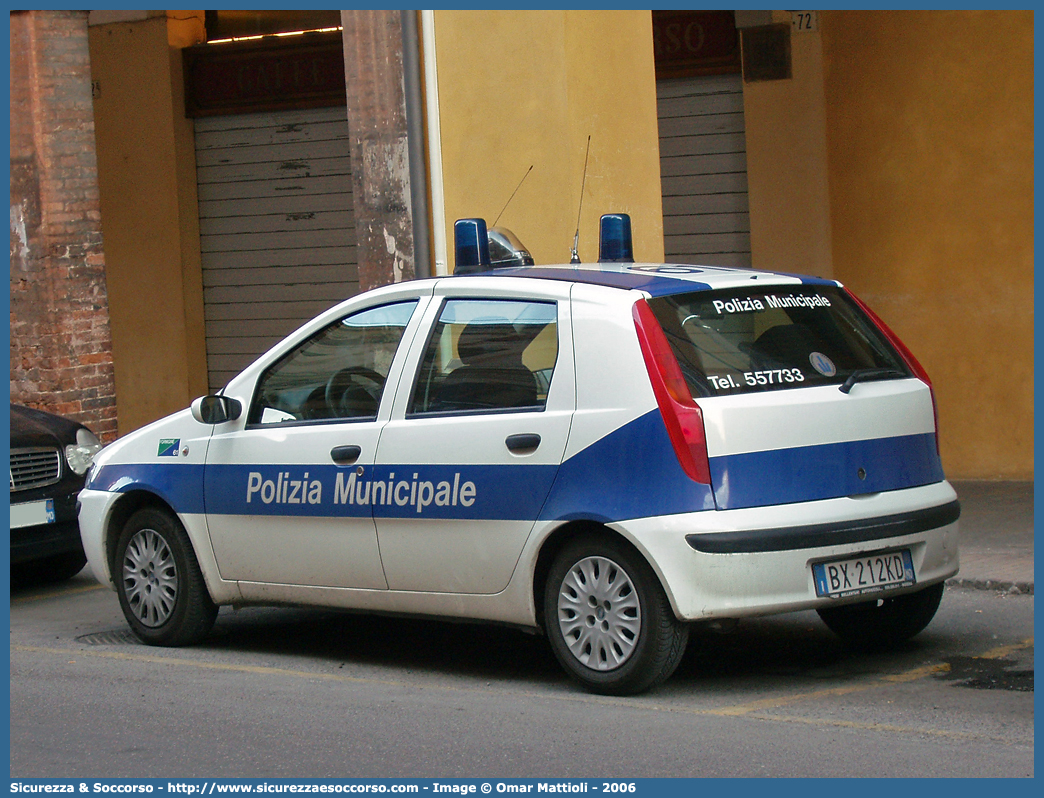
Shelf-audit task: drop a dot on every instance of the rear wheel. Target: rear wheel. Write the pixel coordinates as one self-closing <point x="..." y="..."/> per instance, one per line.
<point x="883" y="623"/>
<point x="159" y="583"/>
<point x="609" y="622"/>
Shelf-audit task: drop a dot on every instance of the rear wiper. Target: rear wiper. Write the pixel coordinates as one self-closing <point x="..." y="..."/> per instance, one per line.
<point x="864" y="375"/>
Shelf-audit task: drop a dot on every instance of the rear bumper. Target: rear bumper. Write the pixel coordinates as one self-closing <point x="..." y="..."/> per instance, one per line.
<point x="758" y="561"/>
<point x="808" y="536"/>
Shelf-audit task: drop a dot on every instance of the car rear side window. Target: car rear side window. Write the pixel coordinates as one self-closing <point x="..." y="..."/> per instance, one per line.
<point x="742" y="341"/>
<point x="487" y="356"/>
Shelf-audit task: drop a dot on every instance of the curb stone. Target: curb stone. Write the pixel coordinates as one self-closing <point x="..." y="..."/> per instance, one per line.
<point x="1001" y="586"/>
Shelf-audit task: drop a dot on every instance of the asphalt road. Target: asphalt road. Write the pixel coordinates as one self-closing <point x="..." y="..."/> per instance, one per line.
<point x="298" y="693"/>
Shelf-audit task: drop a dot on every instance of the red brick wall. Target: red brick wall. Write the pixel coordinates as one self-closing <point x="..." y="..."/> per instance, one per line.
<point x="61" y="349"/>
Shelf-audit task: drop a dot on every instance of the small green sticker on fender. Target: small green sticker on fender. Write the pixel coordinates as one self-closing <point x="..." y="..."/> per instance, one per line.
<point x="168" y="447"/>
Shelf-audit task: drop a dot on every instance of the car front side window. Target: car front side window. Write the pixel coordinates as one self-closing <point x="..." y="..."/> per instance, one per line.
<point x="488" y="356"/>
<point x="337" y="374"/>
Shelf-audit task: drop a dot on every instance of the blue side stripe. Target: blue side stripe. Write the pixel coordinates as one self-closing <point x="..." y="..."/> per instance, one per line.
<point x="630" y="473"/>
<point x="810" y="473"/>
<point x="496" y="492"/>
<point x="180" y="486"/>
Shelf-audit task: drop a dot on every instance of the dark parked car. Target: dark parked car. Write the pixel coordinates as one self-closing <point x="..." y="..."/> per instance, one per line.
<point x="50" y="456"/>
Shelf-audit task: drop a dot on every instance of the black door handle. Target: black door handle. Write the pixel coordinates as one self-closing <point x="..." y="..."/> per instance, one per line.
<point x="345" y="455"/>
<point x="523" y="442"/>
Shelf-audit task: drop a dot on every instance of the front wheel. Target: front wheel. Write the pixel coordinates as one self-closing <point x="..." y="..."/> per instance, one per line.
<point x="886" y="622"/>
<point x="609" y="622"/>
<point x="159" y="583"/>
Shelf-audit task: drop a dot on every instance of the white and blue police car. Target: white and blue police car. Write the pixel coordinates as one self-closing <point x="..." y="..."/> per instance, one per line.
<point x="606" y="452"/>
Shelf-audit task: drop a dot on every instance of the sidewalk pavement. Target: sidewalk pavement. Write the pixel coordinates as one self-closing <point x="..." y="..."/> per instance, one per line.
<point x="996" y="537"/>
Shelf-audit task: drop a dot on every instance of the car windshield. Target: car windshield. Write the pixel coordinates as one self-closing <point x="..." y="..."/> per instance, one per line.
<point x="742" y="341"/>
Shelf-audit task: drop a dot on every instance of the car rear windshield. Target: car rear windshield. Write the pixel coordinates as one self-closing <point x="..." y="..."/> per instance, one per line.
<point x="742" y="341"/>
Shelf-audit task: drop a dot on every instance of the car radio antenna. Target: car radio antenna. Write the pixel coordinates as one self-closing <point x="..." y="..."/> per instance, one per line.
<point x="513" y="193"/>
<point x="574" y="255"/>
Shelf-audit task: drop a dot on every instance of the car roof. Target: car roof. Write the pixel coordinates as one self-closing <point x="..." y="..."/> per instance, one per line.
<point x="659" y="279"/>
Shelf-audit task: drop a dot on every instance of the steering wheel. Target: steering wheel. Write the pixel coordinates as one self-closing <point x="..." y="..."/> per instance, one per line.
<point x="348" y="395"/>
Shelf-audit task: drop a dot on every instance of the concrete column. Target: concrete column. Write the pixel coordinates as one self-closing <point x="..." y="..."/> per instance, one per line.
<point x="380" y="160"/>
<point x="147" y="179"/>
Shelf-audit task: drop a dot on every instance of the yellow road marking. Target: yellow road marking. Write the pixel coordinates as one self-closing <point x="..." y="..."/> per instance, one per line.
<point x="57" y="593"/>
<point x="749" y="710"/>
<point x="214" y="666"/>
<point x="891" y="728"/>
<point x="892" y="678"/>
<point x="1002" y="651"/>
<point x="793" y="698"/>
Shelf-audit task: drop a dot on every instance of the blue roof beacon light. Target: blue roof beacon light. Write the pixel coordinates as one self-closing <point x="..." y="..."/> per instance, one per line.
<point x="614" y="239"/>
<point x="472" y="245"/>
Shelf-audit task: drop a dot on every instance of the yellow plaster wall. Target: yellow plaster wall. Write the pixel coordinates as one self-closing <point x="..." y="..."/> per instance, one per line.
<point x="930" y="151"/>
<point x="786" y="165"/>
<point x="184" y="29"/>
<point x="522" y="88"/>
<point x="146" y="175"/>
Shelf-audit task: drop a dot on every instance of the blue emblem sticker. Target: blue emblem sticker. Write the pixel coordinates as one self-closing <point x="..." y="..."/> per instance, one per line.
<point x="168" y="447"/>
<point x="822" y="364"/>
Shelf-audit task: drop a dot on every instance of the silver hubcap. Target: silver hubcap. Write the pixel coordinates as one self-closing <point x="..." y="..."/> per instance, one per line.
<point x="599" y="613"/>
<point x="150" y="578"/>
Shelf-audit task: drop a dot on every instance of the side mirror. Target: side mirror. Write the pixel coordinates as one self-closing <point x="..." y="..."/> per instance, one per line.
<point x="216" y="409"/>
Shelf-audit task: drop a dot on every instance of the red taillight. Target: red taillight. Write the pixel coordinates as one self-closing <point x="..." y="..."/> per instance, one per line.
<point x="912" y="362"/>
<point x="681" y="415"/>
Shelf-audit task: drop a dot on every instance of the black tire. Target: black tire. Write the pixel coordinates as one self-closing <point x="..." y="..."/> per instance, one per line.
<point x="604" y="586"/>
<point x="64" y="566"/>
<point x="56" y="568"/>
<point x="881" y="624"/>
<point x="159" y="583"/>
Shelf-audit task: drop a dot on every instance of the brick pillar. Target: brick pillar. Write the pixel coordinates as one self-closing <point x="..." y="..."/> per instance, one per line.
<point x="61" y="350"/>
<point x="380" y="159"/>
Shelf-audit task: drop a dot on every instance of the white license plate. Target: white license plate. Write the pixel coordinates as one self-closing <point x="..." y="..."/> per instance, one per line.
<point x="32" y="513"/>
<point x="870" y="573"/>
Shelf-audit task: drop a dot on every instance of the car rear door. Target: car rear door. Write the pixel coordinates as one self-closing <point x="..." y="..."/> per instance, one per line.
<point x="470" y="453"/>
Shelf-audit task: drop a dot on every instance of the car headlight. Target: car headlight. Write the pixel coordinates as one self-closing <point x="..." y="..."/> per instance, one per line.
<point x="80" y="455"/>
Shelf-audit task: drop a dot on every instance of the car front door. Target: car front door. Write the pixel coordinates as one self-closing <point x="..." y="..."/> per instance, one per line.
<point x="470" y="453"/>
<point x="277" y="491"/>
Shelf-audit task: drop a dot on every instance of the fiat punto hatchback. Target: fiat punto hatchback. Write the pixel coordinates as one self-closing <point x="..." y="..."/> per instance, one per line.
<point x="606" y="452"/>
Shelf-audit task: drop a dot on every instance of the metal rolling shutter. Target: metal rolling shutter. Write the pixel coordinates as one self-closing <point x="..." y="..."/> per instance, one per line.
<point x="276" y="228"/>
<point x="703" y="170"/>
